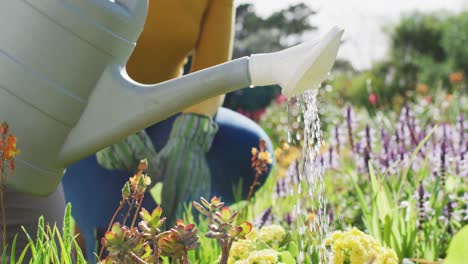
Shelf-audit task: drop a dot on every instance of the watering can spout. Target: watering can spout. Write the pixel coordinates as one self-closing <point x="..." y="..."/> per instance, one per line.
<point x="298" y="68"/>
<point x="119" y="106"/>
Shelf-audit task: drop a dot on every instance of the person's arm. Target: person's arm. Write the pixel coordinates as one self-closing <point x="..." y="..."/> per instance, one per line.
<point x="214" y="47"/>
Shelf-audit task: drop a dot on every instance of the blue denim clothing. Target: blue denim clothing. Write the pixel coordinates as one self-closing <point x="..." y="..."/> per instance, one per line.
<point x="95" y="192"/>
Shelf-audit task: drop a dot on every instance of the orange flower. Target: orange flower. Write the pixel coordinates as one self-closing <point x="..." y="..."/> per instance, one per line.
<point x="8" y="149"/>
<point x="456" y="77"/>
<point x="449" y="97"/>
<point x="422" y="88"/>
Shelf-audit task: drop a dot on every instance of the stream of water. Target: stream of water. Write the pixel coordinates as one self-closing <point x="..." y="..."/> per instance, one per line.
<point x="310" y="210"/>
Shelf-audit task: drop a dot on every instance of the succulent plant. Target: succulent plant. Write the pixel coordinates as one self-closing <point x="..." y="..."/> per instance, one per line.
<point x="221" y="226"/>
<point x="179" y="240"/>
<point x="125" y="245"/>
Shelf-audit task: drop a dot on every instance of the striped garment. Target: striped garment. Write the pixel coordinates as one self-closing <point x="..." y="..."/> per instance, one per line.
<point x="127" y="154"/>
<point x="181" y="164"/>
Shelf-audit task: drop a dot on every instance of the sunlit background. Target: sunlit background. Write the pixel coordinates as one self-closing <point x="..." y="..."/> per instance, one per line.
<point x="363" y="20"/>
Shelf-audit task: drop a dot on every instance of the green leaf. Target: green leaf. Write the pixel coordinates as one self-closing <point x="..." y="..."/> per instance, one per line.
<point x="458" y="249"/>
<point x="67" y="228"/>
<point x="387" y="230"/>
<point x="80" y="259"/>
<point x="287" y="238"/>
<point x="4" y="254"/>
<point x="286" y="258"/>
<point x="360" y="194"/>
<point x="259" y="245"/>
<point x="145" y="215"/>
<point x="412" y="157"/>
<point x="23" y="253"/>
<point x="40" y="230"/>
<point x="13" y="250"/>
<point x="31" y="243"/>
<point x="126" y="190"/>
<point x="293" y="249"/>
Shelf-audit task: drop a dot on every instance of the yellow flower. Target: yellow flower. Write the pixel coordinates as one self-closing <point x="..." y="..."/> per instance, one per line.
<point x="254" y="151"/>
<point x="240" y="250"/>
<point x="242" y="261"/>
<point x="265" y="156"/>
<point x="272" y="234"/>
<point x="265" y="256"/>
<point x="135" y="180"/>
<point x="356" y="247"/>
<point x="253" y="235"/>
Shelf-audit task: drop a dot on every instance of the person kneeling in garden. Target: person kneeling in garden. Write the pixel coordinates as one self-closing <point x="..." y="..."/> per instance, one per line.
<point x="203" y="151"/>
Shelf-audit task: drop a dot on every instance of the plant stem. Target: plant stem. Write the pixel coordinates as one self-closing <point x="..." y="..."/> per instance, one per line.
<point x="252" y="186"/>
<point x="113" y="217"/>
<point x="2" y="198"/>
<point x="2" y="201"/>
<point x="137" y="259"/>
<point x="130" y="206"/>
<point x="224" y="254"/>
<point x="110" y="224"/>
<point x="155" y="250"/>
<point x="185" y="259"/>
<point x="137" y="210"/>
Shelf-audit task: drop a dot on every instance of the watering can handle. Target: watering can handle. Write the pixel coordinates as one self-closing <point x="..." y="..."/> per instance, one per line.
<point x="123" y="17"/>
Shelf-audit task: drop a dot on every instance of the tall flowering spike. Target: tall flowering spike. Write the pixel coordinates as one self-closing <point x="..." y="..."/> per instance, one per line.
<point x="349" y="126"/>
<point x="368" y="137"/>
<point x="421" y="190"/>
<point x="448" y="210"/>
<point x="443" y="158"/>
<point x="366" y="157"/>
<point x="461" y="128"/>
<point x="421" y="208"/>
<point x="337" y="138"/>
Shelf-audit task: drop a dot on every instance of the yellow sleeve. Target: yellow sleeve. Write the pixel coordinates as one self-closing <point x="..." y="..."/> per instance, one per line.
<point x="214" y="47"/>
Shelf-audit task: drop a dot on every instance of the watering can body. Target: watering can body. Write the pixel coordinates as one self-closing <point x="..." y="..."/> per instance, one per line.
<point x="65" y="92"/>
<point x="52" y="54"/>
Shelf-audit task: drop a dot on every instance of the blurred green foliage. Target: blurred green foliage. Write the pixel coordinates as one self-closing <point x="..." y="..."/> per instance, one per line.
<point x="426" y="49"/>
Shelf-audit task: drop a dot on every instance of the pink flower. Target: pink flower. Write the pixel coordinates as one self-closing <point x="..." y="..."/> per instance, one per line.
<point x="373" y="98"/>
<point x="281" y="99"/>
<point x="257" y="115"/>
<point x="428" y="99"/>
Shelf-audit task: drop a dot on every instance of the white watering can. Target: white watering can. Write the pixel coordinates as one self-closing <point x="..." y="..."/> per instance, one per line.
<point x="65" y="92"/>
